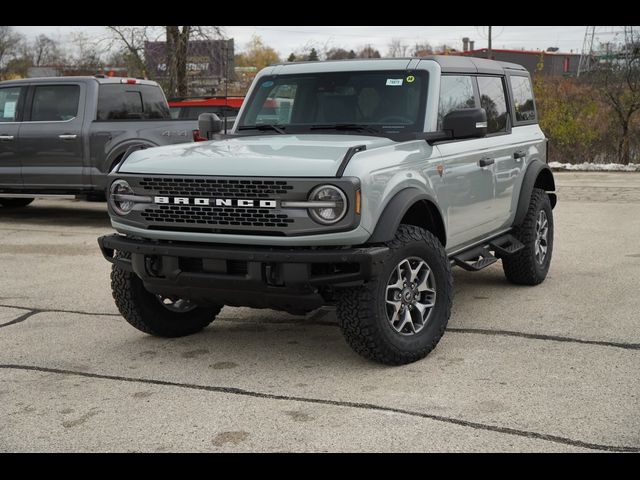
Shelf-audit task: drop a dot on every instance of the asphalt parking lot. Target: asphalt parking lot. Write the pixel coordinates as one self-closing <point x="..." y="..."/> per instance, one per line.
<point x="548" y="368"/>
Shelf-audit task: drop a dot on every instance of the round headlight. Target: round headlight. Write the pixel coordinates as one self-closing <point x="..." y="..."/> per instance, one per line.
<point x="118" y="193"/>
<point x="335" y="204"/>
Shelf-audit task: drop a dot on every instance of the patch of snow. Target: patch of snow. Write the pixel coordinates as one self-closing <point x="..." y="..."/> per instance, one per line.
<point x="595" y="167"/>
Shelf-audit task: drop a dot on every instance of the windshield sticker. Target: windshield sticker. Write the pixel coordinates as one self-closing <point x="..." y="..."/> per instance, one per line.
<point x="394" y="82"/>
<point x="410" y="79"/>
<point x="9" y="110"/>
<point x="267" y="84"/>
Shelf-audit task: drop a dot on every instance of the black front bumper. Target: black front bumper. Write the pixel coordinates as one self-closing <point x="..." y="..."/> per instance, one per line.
<point x="199" y="271"/>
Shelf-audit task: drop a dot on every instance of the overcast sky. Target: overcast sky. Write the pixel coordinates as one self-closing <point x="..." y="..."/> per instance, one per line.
<point x="286" y="39"/>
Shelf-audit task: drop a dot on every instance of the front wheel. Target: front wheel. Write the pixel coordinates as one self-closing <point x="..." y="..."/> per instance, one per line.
<point x="399" y="316"/>
<point x="15" y="202"/>
<point x="154" y="314"/>
<point x="530" y="265"/>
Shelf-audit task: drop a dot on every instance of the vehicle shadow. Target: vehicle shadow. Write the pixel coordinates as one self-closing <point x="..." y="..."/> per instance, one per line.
<point x="65" y="213"/>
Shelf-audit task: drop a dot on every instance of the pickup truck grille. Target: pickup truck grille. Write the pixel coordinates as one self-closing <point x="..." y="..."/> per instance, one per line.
<point x="217" y="216"/>
<point x="216" y="187"/>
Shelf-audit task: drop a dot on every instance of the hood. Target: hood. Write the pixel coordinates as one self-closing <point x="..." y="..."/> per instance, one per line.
<point x="261" y="155"/>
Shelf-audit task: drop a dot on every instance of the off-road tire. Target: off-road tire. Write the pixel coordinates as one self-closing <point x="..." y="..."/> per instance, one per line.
<point x="15" y="202"/>
<point x="362" y="313"/>
<point x="144" y="311"/>
<point x="522" y="268"/>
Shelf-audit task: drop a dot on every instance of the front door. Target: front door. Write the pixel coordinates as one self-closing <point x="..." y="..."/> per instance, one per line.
<point x="11" y="99"/>
<point x="51" y="146"/>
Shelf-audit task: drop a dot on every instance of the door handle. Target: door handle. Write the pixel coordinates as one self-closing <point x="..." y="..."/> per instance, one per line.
<point x="6" y="138"/>
<point x="485" y="162"/>
<point x="518" y="154"/>
<point x="68" y="136"/>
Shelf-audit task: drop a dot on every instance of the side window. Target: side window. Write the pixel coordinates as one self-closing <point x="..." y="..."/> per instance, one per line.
<point x="55" y="103"/>
<point x="456" y="92"/>
<point x="9" y="98"/>
<point x="155" y="105"/>
<point x="493" y="100"/>
<point x="523" y="99"/>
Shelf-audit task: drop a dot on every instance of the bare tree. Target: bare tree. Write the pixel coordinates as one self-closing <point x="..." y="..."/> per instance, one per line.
<point x="422" y="49"/>
<point x="177" y="52"/>
<point x="397" y="48"/>
<point x="132" y="39"/>
<point x="9" y="43"/>
<point x="618" y="80"/>
<point x="44" y="51"/>
<point x="368" y="52"/>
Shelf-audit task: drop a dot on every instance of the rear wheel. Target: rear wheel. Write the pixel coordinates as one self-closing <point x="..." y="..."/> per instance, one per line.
<point x="15" y="202"/>
<point x="530" y="265"/>
<point x="399" y="316"/>
<point x="156" y="314"/>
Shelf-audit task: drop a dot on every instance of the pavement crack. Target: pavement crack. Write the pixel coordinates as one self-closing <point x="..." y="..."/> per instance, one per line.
<point x="311" y="321"/>
<point x="338" y="403"/>
<point x="21" y="318"/>
<point x="474" y="331"/>
<point x="34" y="311"/>
<point x="550" y="338"/>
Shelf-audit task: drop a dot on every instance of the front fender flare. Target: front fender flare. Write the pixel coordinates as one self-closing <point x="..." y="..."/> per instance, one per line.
<point x="394" y="211"/>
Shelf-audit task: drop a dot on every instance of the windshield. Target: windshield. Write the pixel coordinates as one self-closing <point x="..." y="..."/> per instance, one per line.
<point x="388" y="102"/>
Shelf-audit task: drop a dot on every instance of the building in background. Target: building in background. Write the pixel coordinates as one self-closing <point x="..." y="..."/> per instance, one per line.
<point x="549" y="62"/>
<point x="210" y="64"/>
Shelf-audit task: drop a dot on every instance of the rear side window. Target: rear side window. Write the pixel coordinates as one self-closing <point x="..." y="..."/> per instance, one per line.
<point x="493" y="100"/>
<point x="9" y="98"/>
<point x="523" y="99"/>
<point x="55" y="103"/>
<point x="131" y="102"/>
<point x="456" y="92"/>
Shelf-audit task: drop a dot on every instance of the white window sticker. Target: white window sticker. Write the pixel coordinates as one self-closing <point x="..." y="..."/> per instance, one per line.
<point x="9" y="110"/>
<point x="394" y="82"/>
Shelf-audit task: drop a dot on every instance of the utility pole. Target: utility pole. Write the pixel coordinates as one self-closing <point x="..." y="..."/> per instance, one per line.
<point x="489" y="48"/>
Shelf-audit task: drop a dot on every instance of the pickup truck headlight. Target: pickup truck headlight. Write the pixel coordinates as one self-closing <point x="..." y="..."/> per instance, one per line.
<point x="121" y="197"/>
<point x="332" y="204"/>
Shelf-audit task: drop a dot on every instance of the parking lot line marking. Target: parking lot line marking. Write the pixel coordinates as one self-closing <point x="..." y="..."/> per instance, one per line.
<point x="338" y="403"/>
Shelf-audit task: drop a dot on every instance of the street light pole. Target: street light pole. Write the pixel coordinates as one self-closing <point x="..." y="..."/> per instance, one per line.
<point x="489" y="49"/>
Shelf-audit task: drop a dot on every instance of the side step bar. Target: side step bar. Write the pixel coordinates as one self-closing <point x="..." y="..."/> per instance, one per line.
<point x="481" y="256"/>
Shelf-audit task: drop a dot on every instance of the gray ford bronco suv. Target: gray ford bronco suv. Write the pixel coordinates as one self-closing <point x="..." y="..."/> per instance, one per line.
<point x="357" y="184"/>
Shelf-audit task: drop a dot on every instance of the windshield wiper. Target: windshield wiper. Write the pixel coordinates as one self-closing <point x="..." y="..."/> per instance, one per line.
<point x="358" y="127"/>
<point x="263" y="126"/>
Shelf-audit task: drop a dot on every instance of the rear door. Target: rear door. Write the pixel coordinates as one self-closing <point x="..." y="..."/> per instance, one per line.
<point x="50" y="141"/>
<point x="11" y="101"/>
<point x="503" y="146"/>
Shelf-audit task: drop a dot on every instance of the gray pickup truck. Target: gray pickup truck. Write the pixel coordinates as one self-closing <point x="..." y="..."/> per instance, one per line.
<point x="64" y="135"/>
<point x="361" y="189"/>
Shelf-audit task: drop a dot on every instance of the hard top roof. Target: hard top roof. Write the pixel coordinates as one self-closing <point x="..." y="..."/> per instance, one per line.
<point x="448" y="64"/>
<point x="72" y="79"/>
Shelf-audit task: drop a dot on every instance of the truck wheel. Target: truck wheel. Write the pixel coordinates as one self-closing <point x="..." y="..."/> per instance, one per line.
<point x="15" y="202"/>
<point x="399" y="316"/>
<point x="530" y="265"/>
<point x="156" y="315"/>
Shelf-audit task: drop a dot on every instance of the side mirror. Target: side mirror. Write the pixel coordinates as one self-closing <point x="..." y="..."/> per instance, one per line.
<point x="209" y="124"/>
<point x="466" y="123"/>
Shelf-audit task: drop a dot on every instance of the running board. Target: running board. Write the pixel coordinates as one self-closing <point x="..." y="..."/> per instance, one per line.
<point x="481" y="256"/>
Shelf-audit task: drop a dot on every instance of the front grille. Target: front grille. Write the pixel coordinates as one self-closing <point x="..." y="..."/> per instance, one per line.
<point x="215" y="187"/>
<point x="217" y="216"/>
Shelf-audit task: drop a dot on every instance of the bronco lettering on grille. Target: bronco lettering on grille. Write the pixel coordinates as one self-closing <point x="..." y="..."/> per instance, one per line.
<point x="218" y="202"/>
